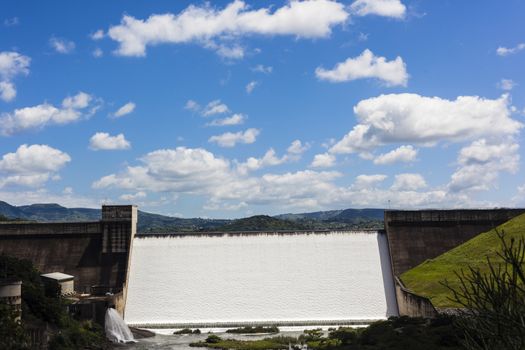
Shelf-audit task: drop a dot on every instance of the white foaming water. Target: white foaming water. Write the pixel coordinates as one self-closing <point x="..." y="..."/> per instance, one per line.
<point x="230" y="278"/>
<point x="116" y="330"/>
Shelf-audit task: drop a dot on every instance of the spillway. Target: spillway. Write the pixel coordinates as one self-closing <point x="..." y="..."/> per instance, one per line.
<point x="266" y="278"/>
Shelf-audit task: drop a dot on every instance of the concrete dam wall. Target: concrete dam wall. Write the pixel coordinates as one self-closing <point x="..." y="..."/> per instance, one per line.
<point x="95" y="253"/>
<point x="235" y="278"/>
<point x="417" y="235"/>
<point x="263" y="278"/>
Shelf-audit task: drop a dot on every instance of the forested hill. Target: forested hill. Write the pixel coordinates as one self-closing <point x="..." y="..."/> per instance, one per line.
<point x="261" y="223"/>
<point x="339" y="219"/>
<point x="148" y="222"/>
<point x="336" y="215"/>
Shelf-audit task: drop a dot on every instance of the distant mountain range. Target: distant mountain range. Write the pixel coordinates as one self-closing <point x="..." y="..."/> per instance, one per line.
<point x="346" y="215"/>
<point x="149" y="223"/>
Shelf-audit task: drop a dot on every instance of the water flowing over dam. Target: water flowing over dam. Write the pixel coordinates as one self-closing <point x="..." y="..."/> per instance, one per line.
<point x="283" y="278"/>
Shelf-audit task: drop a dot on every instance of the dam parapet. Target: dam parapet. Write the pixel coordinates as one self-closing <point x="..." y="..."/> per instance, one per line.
<point x="251" y="233"/>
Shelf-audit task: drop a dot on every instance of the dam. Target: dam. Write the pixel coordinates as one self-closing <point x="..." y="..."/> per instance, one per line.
<point x="230" y="279"/>
<point x="282" y="278"/>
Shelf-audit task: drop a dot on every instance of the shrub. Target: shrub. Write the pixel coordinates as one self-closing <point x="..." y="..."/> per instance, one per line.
<point x="213" y="339"/>
<point x="493" y="304"/>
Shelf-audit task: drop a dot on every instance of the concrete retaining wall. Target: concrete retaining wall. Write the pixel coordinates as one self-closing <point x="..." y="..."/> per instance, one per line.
<point x="415" y="236"/>
<point x="95" y="253"/>
<point x="411" y="304"/>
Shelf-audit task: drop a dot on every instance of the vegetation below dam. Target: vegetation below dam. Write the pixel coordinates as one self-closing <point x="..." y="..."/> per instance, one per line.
<point x="253" y="330"/>
<point x="44" y="312"/>
<point x="401" y="333"/>
<point x="347" y="219"/>
<point x="427" y="279"/>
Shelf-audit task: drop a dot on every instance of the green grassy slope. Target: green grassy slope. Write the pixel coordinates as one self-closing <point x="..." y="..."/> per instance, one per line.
<point x="425" y="279"/>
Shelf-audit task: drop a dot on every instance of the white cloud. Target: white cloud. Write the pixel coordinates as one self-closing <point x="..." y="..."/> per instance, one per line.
<point x="368" y="181"/>
<point x="230" y="139"/>
<point x="226" y="51"/>
<point x="408" y="182"/>
<point x="11" y="22"/>
<point x="124" y="110"/>
<point x="37" y="117"/>
<point x="42" y="195"/>
<point x="297" y="147"/>
<point x="104" y="141"/>
<point x="250" y="86"/>
<point x="31" y="166"/>
<point x="97" y="35"/>
<point x="97" y="53"/>
<point x="215" y="107"/>
<point x="252" y="164"/>
<point x="133" y="196"/>
<point x="7" y="91"/>
<point x="411" y="118"/>
<point x="237" y="185"/>
<point x="199" y="172"/>
<point x="217" y="205"/>
<point x="61" y="45"/>
<point x="204" y="24"/>
<point x="329" y="143"/>
<point x="33" y="158"/>
<point x="403" y="154"/>
<point x="192" y="106"/>
<point x="482" y="152"/>
<point x="260" y="68"/>
<point x="506" y="84"/>
<point x="11" y="65"/>
<point x="386" y="8"/>
<point x="481" y="162"/>
<point x="519" y="197"/>
<point x="180" y="170"/>
<point x="505" y="51"/>
<point x="78" y="101"/>
<point x="362" y="37"/>
<point x="293" y="153"/>
<point x="367" y="65"/>
<point x="235" y="119"/>
<point x="323" y="160"/>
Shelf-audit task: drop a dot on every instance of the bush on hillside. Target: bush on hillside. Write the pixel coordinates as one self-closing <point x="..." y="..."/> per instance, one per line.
<point x="493" y="304"/>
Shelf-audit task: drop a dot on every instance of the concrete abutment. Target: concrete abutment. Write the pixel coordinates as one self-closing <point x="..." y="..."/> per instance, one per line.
<point x="417" y="235"/>
<point x="96" y="253"/>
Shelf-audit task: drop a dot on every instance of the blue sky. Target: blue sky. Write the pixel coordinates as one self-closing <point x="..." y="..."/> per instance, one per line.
<point x="232" y="108"/>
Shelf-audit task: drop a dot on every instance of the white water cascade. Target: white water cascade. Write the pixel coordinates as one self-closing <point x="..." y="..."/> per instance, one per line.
<point x="282" y="278"/>
<point x="116" y="329"/>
